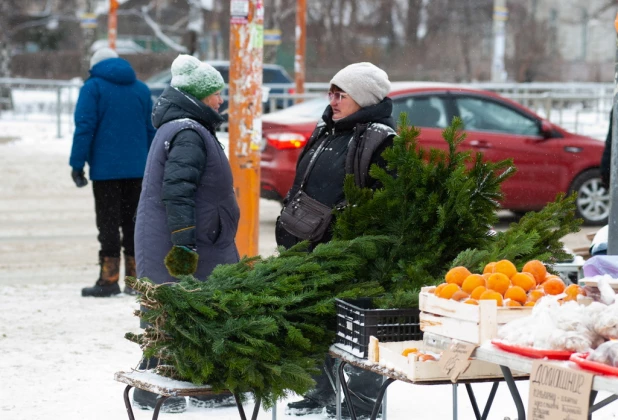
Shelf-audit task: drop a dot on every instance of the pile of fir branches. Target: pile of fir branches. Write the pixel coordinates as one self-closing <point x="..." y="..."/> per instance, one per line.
<point x="263" y="325"/>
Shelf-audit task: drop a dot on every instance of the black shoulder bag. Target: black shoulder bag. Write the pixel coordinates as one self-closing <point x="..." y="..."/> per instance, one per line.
<point x="304" y="217"/>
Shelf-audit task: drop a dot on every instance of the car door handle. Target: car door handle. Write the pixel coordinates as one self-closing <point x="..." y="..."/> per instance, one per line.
<point x="481" y="144"/>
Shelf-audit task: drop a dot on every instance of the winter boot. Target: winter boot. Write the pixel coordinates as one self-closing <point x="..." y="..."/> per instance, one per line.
<point x="318" y="398"/>
<point x="129" y="271"/>
<point x="304" y="407"/>
<point x="107" y="285"/>
<point x="223" y="399"/>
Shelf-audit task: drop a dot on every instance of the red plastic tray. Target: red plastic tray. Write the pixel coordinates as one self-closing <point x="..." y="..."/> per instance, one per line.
<point x="580" y="359"/>
<point x="532" y="352"/>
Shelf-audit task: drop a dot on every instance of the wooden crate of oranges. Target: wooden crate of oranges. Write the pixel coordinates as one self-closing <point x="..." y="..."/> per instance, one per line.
<point x="472" y="306"/>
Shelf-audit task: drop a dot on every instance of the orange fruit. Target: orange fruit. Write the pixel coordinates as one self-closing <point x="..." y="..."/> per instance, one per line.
<point x="517" y="294"/>
<point x="553" y="286"/>
<point x="460" y="295"/>
<point x="524" y="280"/>
<point x="471" y="301"/>
<point x="537" y="269"/>
<point x="530" y="303"/>
<point x="512" y="303"/>
<point x="535" y="295"/>
<point x="489" y="268"/>
<point x="409" y="350"/>
<point x="476" y="293"/>
<point x="457" y="275"/>
<point x="425" y="357"/>
<point x="486" y="276"/>
<point x="492" y="295"/>
<point x="499" y="282"/>
<point x="505" y="267"/>
<point x="448" y="291"/>
<point x="439" y="289"/>
<point x="573" y="290"/>
<point x="472" y="282"/>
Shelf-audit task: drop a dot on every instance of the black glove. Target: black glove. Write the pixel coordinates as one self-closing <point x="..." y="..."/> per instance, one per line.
<point x="79" y="178"/>
<point x="181" y="260"/>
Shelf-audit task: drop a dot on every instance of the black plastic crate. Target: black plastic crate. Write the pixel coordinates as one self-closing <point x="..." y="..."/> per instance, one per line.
<point x="357" y="320"/>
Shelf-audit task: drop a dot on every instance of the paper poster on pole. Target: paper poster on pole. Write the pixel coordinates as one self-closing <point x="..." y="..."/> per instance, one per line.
<point x="558" y="393"/>
<point x="239" y="11"/>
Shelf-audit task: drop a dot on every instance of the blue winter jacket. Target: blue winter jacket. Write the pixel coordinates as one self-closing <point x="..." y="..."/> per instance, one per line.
<point x="113" y="128"/>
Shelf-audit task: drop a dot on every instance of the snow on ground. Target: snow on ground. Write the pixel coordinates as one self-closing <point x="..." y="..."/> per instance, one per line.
<point x="59" y="351"/>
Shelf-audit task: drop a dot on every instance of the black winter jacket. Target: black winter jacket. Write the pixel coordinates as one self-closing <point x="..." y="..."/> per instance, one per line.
<point x="325" y="180"/>
<point x="187" y="193"/>
<point x="186" y="162"/>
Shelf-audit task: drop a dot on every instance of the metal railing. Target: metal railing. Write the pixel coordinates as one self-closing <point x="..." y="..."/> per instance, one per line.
<point x="567" y="105"/>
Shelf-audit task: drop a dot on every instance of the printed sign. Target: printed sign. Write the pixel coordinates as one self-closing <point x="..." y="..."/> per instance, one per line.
<point x="239" y="11"/>
<point x="456" y="359"/>
<point x="558" y="393"/>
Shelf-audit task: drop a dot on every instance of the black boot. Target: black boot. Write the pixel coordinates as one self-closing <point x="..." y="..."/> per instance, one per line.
<point x="147" y="400"/>
<point x="319" y="397"/>
<point x="107" y="284"/>
<point x="364" y="387"/>
<point x="129" y="271"/>
<point x="223" y="399"/>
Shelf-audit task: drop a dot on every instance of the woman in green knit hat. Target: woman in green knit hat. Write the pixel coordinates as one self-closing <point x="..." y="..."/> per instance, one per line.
<point x="187" y="215"/>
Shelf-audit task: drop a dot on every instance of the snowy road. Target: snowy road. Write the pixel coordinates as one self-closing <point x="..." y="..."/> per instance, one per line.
<point x="59" y="351"/>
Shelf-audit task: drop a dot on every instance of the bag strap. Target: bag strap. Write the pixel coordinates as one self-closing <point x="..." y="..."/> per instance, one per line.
<point x="314" y="158"/>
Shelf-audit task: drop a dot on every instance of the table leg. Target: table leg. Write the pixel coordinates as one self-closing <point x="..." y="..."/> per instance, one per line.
<point x="490" y="400"/>
<point x="519" y="405"/>
<point x="346" y="392"/>
<point x="348" y="400"/>
<point x="475" y="406"/>
<point x="378" y="403"/>
<point x="454" y="387"/>
<point x="127" y="402"/>
<point x="600" y="404"/>
<point x="158" y="405"/>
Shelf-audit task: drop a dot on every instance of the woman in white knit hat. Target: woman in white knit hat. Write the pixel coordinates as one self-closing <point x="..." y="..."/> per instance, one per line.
<point x="187" y="215"/>
<point x="355" y="129"/>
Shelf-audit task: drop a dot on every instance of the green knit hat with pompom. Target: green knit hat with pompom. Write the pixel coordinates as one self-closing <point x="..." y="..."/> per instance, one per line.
<point x="195" y="77"/>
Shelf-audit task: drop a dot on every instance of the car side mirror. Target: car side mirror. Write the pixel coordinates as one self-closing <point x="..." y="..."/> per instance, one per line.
<point x="546" y="129"/>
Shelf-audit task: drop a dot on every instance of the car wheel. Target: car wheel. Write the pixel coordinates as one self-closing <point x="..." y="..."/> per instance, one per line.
<point x="592" y="202"/>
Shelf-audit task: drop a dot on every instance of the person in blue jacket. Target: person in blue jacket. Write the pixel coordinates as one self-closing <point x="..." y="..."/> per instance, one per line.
<point x="113" y="133"/>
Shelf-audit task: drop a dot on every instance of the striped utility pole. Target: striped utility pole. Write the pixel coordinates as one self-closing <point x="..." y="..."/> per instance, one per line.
<point x="498" y="70"/>
<point x="112" y="24"/>
<point x="245" y="115"/>
<point x="301" y="36"/>
<point x="612" y="234"/>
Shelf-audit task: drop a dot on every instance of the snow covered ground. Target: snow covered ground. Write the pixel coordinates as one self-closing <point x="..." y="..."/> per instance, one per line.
<point x="59" y="351"/>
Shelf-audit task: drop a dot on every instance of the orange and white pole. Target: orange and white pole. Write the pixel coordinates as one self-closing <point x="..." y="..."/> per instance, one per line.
<point x="245" y="115"/>
<point x="301" y="37"/>
<point x="112" y="24"/>
<point x="612" y="234"/>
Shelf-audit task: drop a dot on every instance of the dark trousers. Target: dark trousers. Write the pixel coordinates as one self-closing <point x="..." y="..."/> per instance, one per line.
<point x="363" y="385"/>
<point x="115" y="203"/>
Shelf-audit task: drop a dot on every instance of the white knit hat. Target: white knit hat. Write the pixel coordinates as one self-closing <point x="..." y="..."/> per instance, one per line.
<point x="102" y="54"/>
<point x="195" y="77"/>
<point x="364" y="82"/>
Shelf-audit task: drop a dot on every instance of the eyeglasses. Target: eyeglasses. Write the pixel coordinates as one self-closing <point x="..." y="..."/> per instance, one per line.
<point x="336" y="96"/>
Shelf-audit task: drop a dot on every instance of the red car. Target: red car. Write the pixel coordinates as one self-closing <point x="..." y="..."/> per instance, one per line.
<point x="549" y="159"/>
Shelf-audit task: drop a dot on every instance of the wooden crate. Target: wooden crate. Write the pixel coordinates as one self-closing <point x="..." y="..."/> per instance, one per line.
<point x="472" y="323"/>
<point x="418" y="371"/>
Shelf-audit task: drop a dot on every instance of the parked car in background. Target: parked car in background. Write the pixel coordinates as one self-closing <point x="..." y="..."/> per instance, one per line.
<point x="549" y="159"/>
<point x="273" y="76"/>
